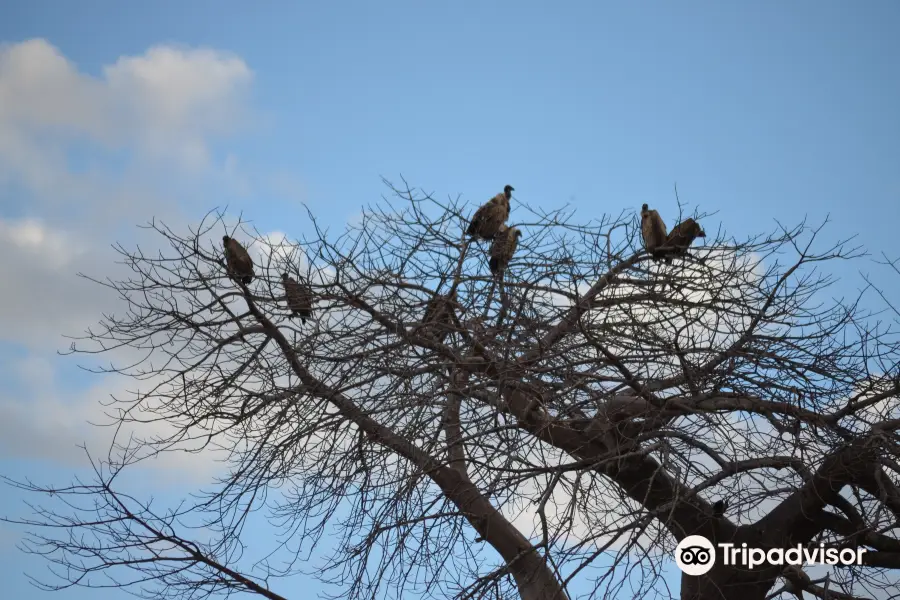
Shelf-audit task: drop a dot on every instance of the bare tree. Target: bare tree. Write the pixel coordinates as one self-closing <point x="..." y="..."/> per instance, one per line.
<point x="586" y="408"/>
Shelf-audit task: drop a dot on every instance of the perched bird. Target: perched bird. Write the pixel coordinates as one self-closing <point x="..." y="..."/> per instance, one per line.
<point x="238" y="261"/>
<point x="439" y="315"/>
<point x="653" y="230"/>
<point x="503" y="248"/>
<point x="299" y="296"/>
<point x="719" y="508"/>
<point x="797" y="580"/>
<point x="682" y="236"/>
<point x="491" y="216"/>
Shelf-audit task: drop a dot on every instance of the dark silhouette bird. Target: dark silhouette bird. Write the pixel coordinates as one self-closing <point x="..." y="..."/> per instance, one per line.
<point x="682" y="236"/>
<point x="439" y="316"/>
<point x="491" y="216"/>
<point x="719" y="508"/>
<point x="503" y="248"/>
<point x="653" y="230"/>
<point x="299" y="296"/>
<point x="238" y="261"/>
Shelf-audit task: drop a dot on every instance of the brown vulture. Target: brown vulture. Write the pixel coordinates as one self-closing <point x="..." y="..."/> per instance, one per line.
<point x="503" y="248"/>
<point x="238" y="261"/>
<point x="491" y="216"/>
<point x="299" y="297"/>
<point x="798" y="580"/>
<point x="653" y="230"/>
<point x="683" y="235"/>
<point x="439" y="315"/>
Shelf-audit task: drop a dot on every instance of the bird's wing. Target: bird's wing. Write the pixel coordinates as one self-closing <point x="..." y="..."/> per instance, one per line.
<point x="240" y="254"/>
<point x="499" y="246"/>
<point x="646" y="229"/>
<point x="478" y="216"/>
<point x="675" y="234"/>
<point x="512" y="242"/>
<point x="661" y="225"/>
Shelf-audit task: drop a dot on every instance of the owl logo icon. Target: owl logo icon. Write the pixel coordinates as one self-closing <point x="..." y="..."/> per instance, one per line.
<point x="695" y="555"/>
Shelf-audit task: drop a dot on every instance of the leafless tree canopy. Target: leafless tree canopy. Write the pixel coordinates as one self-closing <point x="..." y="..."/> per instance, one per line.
<point x="572" y="422"/>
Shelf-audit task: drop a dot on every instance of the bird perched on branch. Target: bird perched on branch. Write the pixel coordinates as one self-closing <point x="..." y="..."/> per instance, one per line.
<point x="719" y="508"/>
<point x="503" y="248"/>
<point x="683" y="235"/>
<point x="238" y="261"/>
<point x="653" y="230"/>
<point x="491" y="216"/>
<point x="299" y="296"/>
<point x="439" y="316"/>
<point x="797" y="580"/>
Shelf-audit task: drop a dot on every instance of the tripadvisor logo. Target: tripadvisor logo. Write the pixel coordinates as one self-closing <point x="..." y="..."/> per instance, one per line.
<point x="696" y="555"/>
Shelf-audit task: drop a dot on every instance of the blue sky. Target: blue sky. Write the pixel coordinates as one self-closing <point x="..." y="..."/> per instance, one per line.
<point x="758" y="110"/>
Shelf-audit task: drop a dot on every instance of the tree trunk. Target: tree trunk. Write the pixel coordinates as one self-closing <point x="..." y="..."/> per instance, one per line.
<point x="729" y="583"/>
<point x="540" y="585"/>
<point x="534" y="577"/>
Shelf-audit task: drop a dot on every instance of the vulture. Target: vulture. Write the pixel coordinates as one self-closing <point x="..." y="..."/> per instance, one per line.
<point x="299" y="297"/>
<point x="439" y="315"/>
<point x="719" y="508"/>
<point x="798" y="580"/>
<point x="503" y="248"/>
<point x="491" y="216"/>
<point x="653" y="230"/>
<point x="683" y="235"/>
<point x="239" y="263"/>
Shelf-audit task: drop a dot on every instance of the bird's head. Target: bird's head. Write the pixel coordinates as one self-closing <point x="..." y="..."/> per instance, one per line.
<point x="508" y="190"/>
<point x="518" y="233"/>
<point x="695" y="229"/>
<point x="225" y="239"/>
<point x="284" y="276"/>
<point x="644" y="207"/>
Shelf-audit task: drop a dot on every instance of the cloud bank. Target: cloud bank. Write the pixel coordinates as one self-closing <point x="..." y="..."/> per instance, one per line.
<point x="83" y="158"/>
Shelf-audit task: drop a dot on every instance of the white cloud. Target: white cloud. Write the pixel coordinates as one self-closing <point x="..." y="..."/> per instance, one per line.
<point x="80" y="159"/>
<point x="164" y="103"/>
<point x="49" y="300"/>
<point x="97" y="151"/>
<point x="48" y="419"/>
<point x="54" y="248"/>
<point x="56" y="420"/>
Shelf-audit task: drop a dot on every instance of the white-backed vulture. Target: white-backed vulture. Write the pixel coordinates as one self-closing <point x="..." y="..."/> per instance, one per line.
<point x="653" y="229"/>
<point x="504" y="247"/>
<point x="439" y="315"/>
<point x="798" y="581"/>
<point x="299" y="296"/>
<point x="238" y="261"/>
<point x="491" y="216"/>
<point x="683" y="235"/>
